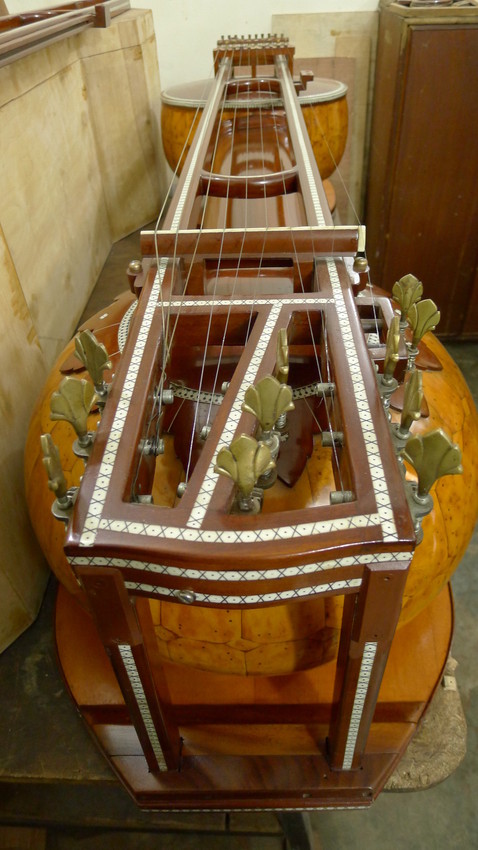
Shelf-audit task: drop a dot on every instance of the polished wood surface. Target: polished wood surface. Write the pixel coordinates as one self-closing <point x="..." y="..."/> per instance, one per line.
<point x="288" y="736"/>
<point x="422" y="211"/>
<point x="275" y="602"/>
<point x="323" y="104"/>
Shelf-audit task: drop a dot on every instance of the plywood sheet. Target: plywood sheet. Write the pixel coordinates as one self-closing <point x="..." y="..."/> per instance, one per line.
<point x="23" y="572"/>
<point x="80" y="168"/>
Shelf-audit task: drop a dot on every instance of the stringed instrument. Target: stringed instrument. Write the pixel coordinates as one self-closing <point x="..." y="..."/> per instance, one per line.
<point x="253" y="554"/>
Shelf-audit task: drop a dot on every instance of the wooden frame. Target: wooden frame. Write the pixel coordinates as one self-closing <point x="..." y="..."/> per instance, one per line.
<point x="125" y="550"/>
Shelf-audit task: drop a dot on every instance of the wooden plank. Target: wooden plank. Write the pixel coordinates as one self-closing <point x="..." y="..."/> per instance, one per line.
<point x="253" y="242"/>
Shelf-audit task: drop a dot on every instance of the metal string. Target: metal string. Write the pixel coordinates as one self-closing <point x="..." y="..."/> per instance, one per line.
<point x="352" y="205"/>
<point x="315" y="347"/>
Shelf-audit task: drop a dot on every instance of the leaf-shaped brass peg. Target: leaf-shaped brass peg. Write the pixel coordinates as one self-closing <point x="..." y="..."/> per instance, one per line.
<point x="244" y="462"/>
<point x="282" y="360"/>
<point x="407" y="291"/>
<point x="72" y="402"/>
<point x="391" y="350"/>
<point x="51" y="462"/>
<point x="432" y="456"/>
<point x="268" y="400"/>
<point x="423" y="317"/>
<point x="94" y="357"/>
<point x="412" y="401"/>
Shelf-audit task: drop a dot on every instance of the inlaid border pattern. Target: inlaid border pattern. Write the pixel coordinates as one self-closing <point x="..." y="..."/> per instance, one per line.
<point x="210" y="480"/>
<point x="95" y="508"/>
<point x="138" y="690"/>
<point x="380" y="487"/>
<point x="251" y="599"/>
<point x="363" y="683"/>
<point x="193" y="532"/>
<point x="241" y="575"/>
<point x="286" y="81"/>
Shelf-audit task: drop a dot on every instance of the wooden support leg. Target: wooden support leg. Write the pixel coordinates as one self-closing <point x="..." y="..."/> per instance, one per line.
<point x="297" y="830"/>
<point x="119" y="631"/>
<point x="369" y="622"/>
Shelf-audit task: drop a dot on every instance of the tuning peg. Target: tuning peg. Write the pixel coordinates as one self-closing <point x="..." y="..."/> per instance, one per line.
<point x="282" y="357"/>
<point x="94" y="357"/>
<point x="423" y="317"/>
<point x="391" y="348"/>
<point x="65" y="497"/>
<point x="72" y="402"/>
<point x="412" y="403"/>
<point x="244" y="462"/>
<point x="407" y="291"/>
<point x="386" y="381"/>
<point x="268" y="400"/>
<point x="432" y="456"/>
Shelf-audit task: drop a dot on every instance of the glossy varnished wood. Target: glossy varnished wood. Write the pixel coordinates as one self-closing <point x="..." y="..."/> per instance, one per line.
<point x="269" y="688"/>
<point x="421" y="211"/>
<point x="281" y="764"/>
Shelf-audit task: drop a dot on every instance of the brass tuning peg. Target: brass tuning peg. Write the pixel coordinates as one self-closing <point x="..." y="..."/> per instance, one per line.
<point x="268" y="400"/>
<point x="423" y="317"/>
<point x="386" y="381"/>
<point x="94" y="357"/>
<point x="245" y="461"/>
<point x="407" y="291"/>
<point x="51" y="462"/>
<point x="412" y="401"/>
<point x="72" y="402"/>
<point x="391" y="350"/>
<point x="282" y="359"/>
<point x="432" y="456"/>
<point x="64" y="497"/>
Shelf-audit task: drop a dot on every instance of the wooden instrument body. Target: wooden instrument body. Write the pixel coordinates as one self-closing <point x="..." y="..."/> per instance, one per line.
<point x="219" y="632"/>
<point x="308" y="634"/>
<point x="323" y="104"/>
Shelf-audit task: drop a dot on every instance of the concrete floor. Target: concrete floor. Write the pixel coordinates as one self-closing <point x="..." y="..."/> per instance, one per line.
<point x="444" y="816"/>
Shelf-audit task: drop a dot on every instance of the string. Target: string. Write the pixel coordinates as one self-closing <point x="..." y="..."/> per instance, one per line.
<point x="170" y="335"/>
<point x="354" y="211"/>
<point x="218" y="366"/>
<point x="314" y="343"/>
<point x="166" y="347"/>
<point x="216" y="282"/>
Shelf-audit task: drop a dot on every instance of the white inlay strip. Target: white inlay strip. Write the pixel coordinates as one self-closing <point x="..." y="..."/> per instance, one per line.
<point x="241" y="575"/>
<point x="363" y="682"/>
<point x="140" y="696"/>
<point x="194" y="533"/>
<point x="287" y="84"/>
<point x="103" y="480"/>
<point x="251" y="599"/>
<point x="380" y="487"/>
<point x="204" y="496"/>
<point x="197" y="147"/>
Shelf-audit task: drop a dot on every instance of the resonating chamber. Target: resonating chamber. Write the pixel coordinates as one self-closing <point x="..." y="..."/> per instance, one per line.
<point x="266" y="497"/>
<point x="323" y="105"/>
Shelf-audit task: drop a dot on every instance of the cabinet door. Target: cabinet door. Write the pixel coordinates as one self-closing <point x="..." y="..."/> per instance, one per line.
<point x="430" y="214"/>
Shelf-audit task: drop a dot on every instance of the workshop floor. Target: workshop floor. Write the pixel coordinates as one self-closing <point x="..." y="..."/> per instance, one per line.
<point x="444" y="816"/>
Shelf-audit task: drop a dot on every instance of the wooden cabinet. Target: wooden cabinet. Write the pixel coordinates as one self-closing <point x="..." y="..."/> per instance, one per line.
<point x="422" y="198"/>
